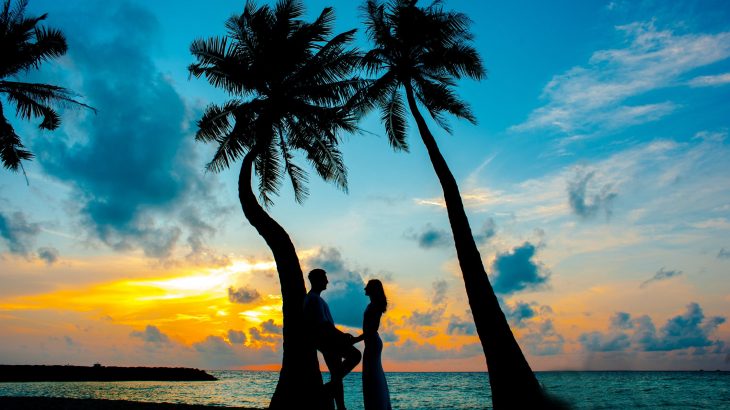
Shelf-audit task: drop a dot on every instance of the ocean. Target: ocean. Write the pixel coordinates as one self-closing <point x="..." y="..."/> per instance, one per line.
<point x="432" y="391"/>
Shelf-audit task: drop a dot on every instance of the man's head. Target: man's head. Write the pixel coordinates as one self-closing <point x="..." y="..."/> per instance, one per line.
<point x="318" y="279"/>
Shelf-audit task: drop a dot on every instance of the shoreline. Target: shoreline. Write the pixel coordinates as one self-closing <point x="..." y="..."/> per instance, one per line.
<point x="62" y="403"/>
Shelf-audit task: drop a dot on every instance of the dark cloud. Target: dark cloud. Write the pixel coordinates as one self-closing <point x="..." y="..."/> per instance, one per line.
<point x="414" y="351"/>
<point x="242" y="295"/>
<point x="345" y="292"/>
<point x="518" y="313"/>
<point x="516" y="271"/>
<point x="48" y="254"/>
<point x="688" y="330"/>
<point x="152" y="335"/>
<point x="487" y="231"/>
<point x="389" y="337"/>
<point x="440" y="287"/>
<point x="661" y="274"/>
<point x="723" y="254"/>
<point x="430" y="237"/>
<point x="621" y="320"/>
<point x="545" y="341"/>
<point x="214" y="345"/>
<point x="236" y="337"/>
<point x="598" y="342"/>
<point x="18" y="233"/>
<point x="135" y="158"/>
<point x="580" y="201"/>
<point x="427" y="318"/>
<point x="459" y="326"/>
<point x="270" y="327"/>
<point x="219" y="354"/>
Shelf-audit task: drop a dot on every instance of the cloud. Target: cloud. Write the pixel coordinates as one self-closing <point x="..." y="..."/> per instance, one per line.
<point x="414" y="351"/>
<point x="440" y="287"/>
<point x="723" y="254"/>
<point x="199" y="230"/>
<point x="710" y="80"/>
<point x="430" y="237"/>
<point x="48" y="254"/>
<point x="242" y="295"/>
<point x="139" y="143"/>
<point x="425" y="318"/>
<point x="18" y="233"/>
<point x="270" y="327"/>
<point x="268" y="333"/>
<point x="516" y="271"/>
<point x="345" y="293"/>
<point x="486" y="232"/>
<point x="236" y="337"/>
<point x="691" y="329"/>
<point x="459" y="326"/>
<point x="213" y="344"/>
<point x="152" y="335"/>
<point x="595" y="96"/>
<point x="621" y="320"/>
<point x="661" y="274"/>
<point x="598" y="342"/>
<point x="578" y="197"/>
<point x="518" y="313"/>
<point x="545" y="341"/>
<point x="217" y="353"/>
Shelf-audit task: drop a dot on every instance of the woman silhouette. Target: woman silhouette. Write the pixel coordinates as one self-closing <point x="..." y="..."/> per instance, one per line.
<point x="374" y="386"/>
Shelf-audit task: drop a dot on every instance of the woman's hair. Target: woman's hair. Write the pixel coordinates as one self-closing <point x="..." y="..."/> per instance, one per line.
<point x="377" y="294"/>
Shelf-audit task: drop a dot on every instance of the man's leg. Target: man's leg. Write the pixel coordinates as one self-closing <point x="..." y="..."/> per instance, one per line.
<point x="337" y="372"/>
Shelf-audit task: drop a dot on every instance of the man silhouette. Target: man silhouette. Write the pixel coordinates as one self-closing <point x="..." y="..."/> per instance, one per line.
<point x="336" y="346"/>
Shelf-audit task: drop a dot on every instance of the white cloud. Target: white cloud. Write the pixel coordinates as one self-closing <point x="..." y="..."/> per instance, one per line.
<point x="710" y="80"/>
<point x="594" y="96"/>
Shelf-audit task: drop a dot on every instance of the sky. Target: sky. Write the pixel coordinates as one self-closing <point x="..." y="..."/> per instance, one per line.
<point x="595" y="183"/>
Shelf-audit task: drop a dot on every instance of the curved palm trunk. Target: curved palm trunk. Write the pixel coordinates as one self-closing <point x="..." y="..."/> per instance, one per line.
<point x="512" y="381"/>
<point x="300" y="375"/>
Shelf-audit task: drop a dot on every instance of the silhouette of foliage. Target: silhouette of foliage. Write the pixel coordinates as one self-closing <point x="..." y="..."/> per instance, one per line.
<point x="290" y="81"/>
<point x="24" y="46"/>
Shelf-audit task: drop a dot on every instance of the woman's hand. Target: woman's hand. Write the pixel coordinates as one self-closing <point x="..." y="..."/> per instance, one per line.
<point x="358" y="339"/>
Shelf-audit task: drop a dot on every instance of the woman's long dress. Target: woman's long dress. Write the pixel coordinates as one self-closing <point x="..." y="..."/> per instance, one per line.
<point x="374" y="386"/>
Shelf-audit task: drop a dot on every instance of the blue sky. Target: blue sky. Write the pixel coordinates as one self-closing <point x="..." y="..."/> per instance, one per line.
<point x="595" y="182"/>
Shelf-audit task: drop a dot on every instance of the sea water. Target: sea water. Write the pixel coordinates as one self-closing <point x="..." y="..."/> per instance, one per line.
<point x="432" y="391"/>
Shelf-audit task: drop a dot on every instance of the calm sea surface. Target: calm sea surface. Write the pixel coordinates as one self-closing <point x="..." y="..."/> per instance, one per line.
<point x="585" y="390"/>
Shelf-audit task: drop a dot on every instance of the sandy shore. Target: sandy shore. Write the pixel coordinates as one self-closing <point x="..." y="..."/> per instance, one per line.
<point x="48" y="403"/>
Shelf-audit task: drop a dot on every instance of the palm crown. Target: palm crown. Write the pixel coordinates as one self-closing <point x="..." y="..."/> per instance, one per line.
<point x="422" y="49"/>
<point x="24" y="45"/>
<point x="291" y="84"/>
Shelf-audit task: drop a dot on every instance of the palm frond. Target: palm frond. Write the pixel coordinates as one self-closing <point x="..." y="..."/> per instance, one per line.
<point x="12" y="151"/>
<point x="296" y="174"/>
<point x="268" y="169"/>
<point x="393" y="115"/>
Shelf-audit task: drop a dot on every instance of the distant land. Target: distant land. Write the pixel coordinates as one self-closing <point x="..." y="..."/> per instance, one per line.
<point x="41" y="373"/>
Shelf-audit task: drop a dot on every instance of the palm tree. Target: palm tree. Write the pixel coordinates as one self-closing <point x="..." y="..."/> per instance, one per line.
<point x="24" y="45"/>
<point x="289" y="80"/>
<point x="423" y="51"/>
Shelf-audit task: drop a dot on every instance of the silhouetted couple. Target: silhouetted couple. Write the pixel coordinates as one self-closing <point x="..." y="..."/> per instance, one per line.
<point x="337" y="347"/>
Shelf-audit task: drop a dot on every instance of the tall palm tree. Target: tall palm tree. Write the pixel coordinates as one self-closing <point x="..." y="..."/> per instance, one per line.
<point x="289" y="81"/>
<point x="24" y="45"/>
<point x="423" y="51"/>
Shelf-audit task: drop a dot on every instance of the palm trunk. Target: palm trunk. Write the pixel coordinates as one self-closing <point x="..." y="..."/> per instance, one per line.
<point x="300" y="375"/>
<point x="512" y="381"/>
